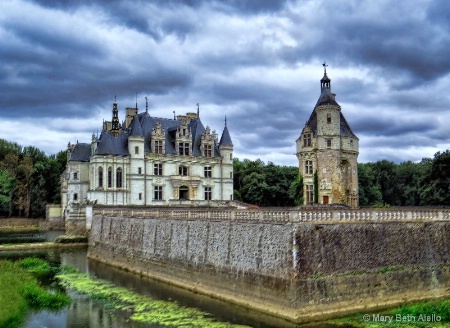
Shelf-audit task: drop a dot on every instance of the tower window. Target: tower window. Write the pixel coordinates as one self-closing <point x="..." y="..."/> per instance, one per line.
<point x="308" y="167"/>
<point x="207" y="171"/>
<point x="158" y="169"/>
<point x="100" y="177"/>
<point x="329" y="143"/>
<point x="307" y="140"/>
<point x="75" y="197"/>
<point x="351" y="142"/>
<point x="75" y="175"/>
<point x="309" y="194"/>
<point x="136" y="150"/>
<point x="208" y="193"/>
<point x="328" y="118"/>
<point x="139" y="170"/>
<point x="109" y="177"/>
<point x="119" y="178"/>
<point x="140" y="196"/>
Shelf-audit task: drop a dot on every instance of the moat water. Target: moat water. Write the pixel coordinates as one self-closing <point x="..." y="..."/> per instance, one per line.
<point x="87" y="313"/>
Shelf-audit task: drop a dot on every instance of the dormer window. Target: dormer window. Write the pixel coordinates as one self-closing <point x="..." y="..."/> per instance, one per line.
<point x="307" y="140"/>
<point x="183" y="148"/>
<point x="158" y="139"/>
<point x="207" y="151"/>
<point x="158" y="147"/>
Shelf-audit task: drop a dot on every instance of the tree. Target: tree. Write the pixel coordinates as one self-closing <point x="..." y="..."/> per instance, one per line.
<point x="6" y="192"/>
<point x="436" y="181"/>
<point x="296" y="191"/>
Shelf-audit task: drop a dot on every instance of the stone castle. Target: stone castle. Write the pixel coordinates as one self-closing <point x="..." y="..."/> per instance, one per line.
<point x="148" y="160"/>
<point x="327" y="150"/>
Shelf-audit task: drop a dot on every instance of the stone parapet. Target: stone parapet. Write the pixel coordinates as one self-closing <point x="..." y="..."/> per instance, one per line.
<point x="280" y="215"/>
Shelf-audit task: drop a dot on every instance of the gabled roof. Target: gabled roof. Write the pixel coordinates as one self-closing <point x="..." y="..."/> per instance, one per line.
<point x="81" y="153"/>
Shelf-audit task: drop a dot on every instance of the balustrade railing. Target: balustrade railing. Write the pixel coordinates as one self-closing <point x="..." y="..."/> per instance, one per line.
<point x="281" y="215"/>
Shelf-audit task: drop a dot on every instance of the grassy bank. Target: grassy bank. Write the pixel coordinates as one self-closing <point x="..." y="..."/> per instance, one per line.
<point x="141" y="308"/>
<point x="427" y="314"/>
<point x="20" y="290"/>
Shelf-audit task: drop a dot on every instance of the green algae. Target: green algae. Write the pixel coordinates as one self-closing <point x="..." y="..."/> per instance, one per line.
<point x="142" y="308"/>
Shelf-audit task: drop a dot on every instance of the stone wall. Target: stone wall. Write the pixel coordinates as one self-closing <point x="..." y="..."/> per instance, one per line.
<point x="297" y="265"/>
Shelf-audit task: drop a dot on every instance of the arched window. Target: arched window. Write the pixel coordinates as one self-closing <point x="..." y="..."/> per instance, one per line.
<point x="110" y="177"/>
<point x="119" y="178"/>
<point x="100" y="177"/>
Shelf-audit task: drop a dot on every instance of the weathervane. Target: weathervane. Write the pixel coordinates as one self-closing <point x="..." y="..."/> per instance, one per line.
<point x="325" y="67"/>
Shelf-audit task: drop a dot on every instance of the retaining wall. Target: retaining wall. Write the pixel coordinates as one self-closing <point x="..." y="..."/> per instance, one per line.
<point x="278" y="264"/>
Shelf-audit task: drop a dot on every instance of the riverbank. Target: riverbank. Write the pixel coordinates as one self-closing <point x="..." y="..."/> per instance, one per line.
<point x="18" y="224"/>
<point x="34" y="246"/>
<point x="21" y="290"/>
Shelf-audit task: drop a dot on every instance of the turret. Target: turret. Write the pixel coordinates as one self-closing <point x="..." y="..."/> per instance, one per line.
<point x="226" y="152"/>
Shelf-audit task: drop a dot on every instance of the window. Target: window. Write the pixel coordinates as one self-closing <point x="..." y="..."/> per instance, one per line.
<point x="75" y="197"/>
<point x="158" y="147"/>
<point x="329" y="143"/>
<point x="208" y="193"/>
<point x="308" y="167"/>
<point x="207" y="151"/>
<point x="139" y="170"/>
<point x="184" y="132"/>
<point x="351" y="143"/>
<point x="109" y="177"/>
<point x="231" y="157"/>
<point x="183" y="170"/>
<point x="231" y="197"/>
<point x="140" y="196"/>
<point x="309" y="194"/>
<point x="157" y="169"/>
<point x="158" y="193"/>
<point x="75" y="175"/>
<point x="231" y="175"/>
<point x="328" y="118"/>
<point x="119" y="178"/>
<point x="183" y="148"/>
<point x="207" y="171"/>
<point x="307" y="140"/>
<point x="136" y="150"/>
<point x="100" y="177"/>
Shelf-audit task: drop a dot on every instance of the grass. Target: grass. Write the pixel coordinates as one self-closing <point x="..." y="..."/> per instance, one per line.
<point x="427" y="314"/>
<point x="141" y="308"/>
<point x="21" y="290"/>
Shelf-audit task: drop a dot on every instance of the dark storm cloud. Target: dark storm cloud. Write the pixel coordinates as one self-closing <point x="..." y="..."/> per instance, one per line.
<point x="256" y="61"/>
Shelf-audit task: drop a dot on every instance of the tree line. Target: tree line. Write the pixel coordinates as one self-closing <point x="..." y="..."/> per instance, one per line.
<point x="29" y="180"/>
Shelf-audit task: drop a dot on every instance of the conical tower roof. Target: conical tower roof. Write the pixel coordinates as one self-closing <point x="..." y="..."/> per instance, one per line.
<point x="136" y="130"/>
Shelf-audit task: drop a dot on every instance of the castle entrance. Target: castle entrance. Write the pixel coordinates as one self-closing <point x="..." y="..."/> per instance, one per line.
<point x="184" y="193"/>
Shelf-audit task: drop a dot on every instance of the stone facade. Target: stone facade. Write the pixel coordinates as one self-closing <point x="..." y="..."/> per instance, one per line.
<point x="328" y="147"/>
<point x="148" y="161"/>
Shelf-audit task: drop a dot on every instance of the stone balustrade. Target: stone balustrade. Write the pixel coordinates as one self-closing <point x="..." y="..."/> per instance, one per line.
<point x="281" y="215"/>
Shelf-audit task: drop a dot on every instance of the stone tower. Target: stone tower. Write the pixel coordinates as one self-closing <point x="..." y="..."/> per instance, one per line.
<point x="328" y="149"/>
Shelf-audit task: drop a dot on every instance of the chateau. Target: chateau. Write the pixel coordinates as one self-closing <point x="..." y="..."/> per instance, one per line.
<point x="148" y="160"/>
<point x="327" y="150"/>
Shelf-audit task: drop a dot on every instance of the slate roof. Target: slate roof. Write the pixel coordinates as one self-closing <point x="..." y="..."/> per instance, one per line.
<point x="142" y="125"/>
<point x="225" y="140"/>
<point x="328" y="98"/>
<point x="81" y="153"/>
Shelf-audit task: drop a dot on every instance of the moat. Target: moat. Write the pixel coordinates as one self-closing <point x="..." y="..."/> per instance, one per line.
<point x="85" y="312"/>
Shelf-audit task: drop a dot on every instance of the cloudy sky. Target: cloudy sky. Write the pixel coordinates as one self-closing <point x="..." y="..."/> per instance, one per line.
<point x="256" y="61"/>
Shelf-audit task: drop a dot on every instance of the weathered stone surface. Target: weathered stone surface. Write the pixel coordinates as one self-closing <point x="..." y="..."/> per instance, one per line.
<point x="298" y="271"/>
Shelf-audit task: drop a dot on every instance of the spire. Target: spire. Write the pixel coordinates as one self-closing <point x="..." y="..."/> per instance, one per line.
<point x="115" y="119"/>
<point x="198" y="110"/>
<point x="136" y="101"/>
<point x="146" y="104"/>
<point x="136" y="129"/>
<point x="225" y="140"/>
<point x="325" y="82"/>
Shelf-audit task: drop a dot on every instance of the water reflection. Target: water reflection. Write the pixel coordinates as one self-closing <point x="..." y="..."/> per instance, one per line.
<point x="25" y="236"/>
